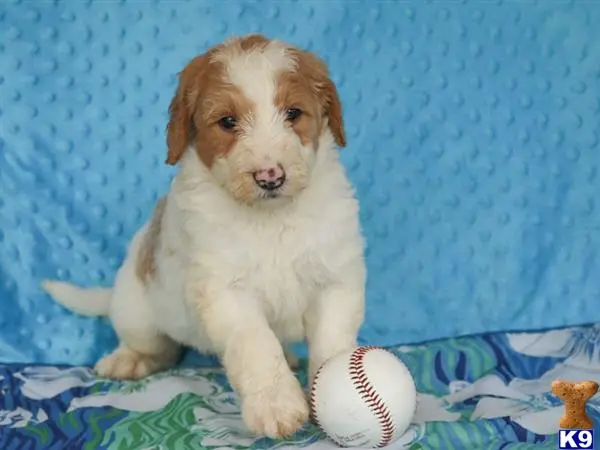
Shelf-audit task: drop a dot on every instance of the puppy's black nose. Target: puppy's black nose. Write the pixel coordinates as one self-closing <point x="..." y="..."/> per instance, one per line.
<point x="270" y="178"/>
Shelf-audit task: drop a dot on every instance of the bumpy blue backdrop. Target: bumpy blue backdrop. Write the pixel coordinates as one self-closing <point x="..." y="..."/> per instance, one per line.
<point x="473" y="143"/>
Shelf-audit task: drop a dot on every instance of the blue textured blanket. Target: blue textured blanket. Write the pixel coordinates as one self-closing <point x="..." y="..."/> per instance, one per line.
<point x="473" y="144"/>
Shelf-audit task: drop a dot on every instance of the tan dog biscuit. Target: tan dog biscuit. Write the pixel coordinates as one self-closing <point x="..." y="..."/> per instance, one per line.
<point x="575" y="396"/>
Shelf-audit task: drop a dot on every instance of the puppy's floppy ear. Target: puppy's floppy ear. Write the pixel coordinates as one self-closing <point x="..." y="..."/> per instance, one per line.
<point x="315" y="71"/>
<point x="334" y="112"/>
<point x="180" y="128"/>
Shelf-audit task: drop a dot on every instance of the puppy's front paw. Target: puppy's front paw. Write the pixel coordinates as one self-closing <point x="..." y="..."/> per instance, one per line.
<point x="276" y="412"/>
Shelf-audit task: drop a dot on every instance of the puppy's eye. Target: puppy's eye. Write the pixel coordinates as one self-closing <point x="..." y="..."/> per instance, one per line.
<point x="292" y="114"/>
<point x="228" y="123"/>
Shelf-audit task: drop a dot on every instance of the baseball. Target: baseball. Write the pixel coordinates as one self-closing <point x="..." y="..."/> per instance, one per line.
<point x="363" y="398"/>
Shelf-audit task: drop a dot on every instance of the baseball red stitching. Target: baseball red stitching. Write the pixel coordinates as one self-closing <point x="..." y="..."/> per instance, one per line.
<point x="313" y="404"/>
<point x="369" y="395"/>
<point x="367" y="392"/>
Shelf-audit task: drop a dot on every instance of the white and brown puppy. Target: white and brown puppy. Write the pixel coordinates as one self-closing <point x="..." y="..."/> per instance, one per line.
<point x="256" y="245"/>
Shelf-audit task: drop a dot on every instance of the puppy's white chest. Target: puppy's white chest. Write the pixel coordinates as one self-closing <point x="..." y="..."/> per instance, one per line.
<point x="285" y="283"/>
<point x="279" y="269"/>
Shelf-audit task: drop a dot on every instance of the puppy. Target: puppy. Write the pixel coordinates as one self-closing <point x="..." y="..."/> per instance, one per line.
<point x="257" y="243"/>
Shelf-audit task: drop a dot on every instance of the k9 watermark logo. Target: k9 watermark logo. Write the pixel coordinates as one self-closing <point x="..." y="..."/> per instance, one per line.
<point x="579" y="439"/>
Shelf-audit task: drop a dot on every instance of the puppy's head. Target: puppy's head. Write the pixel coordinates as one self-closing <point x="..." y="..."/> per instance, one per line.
<point x="255" y="110"/>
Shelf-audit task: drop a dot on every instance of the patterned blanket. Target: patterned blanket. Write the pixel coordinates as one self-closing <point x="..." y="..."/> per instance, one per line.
<point x="480" y="392"/>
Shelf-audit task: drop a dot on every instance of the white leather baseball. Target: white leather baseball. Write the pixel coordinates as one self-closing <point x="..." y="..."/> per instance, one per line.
<point x="363" y="398"/>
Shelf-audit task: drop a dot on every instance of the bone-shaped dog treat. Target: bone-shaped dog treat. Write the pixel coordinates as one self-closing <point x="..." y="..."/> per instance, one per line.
<point x="575" y="395"/>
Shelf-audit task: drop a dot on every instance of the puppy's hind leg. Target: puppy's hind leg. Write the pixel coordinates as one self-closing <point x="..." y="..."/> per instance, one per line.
<point x="143" y="349"/>
<point x="124" y="363"/>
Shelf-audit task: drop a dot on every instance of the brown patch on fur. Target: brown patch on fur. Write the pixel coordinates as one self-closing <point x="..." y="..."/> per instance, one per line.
<point x="311" y="86"/>
<point x="203" y="96"/>
<point x="210" y="139"/>
<point x="251" y="42"/>
<point x="294" y="91"/>
<point x="193" y="81"/>
<point x="146" y="264"/>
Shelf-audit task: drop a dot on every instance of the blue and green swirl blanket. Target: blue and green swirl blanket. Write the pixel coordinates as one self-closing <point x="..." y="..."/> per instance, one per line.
<point x="489" y="391"/>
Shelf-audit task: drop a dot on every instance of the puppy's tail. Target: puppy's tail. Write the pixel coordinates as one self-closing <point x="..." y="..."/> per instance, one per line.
<point x="87" y="302"/>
